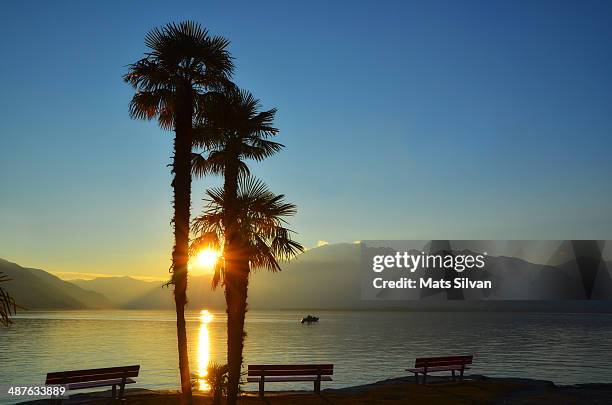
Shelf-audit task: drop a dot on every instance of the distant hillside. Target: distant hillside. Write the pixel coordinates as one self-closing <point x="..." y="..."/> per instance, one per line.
<point x="37" y="289"/>
<point x="311" y="280"/>
<point x="131" y="293"/>
<point x="119" y="290"/>
<point x="329" y="278"/>
<point x="326" y="277"/>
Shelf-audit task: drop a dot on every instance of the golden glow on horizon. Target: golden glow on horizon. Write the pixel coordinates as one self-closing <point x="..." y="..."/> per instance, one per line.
<point x="204" y="349"/>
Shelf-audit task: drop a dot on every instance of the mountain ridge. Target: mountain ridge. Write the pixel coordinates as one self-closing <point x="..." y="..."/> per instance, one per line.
<point x="37" y="289"/>
<point x="326" y="277"/>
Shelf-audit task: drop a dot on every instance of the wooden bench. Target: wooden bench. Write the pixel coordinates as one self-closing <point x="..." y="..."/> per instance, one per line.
<point x="290" y="373"/>
<point x="97" y="377"/>
<point x="426" y="365"/>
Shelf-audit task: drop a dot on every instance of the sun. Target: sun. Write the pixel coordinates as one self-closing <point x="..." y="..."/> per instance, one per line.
<point x="206" y="258"/>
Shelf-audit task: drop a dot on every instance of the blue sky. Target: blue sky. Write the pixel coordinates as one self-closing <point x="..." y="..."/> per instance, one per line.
<point x="401" y="120"/>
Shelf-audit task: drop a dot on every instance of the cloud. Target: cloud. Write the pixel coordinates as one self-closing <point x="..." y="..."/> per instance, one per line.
<point x="322" y="243"/>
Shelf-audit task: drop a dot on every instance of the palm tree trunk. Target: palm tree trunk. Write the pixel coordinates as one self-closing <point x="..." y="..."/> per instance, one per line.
<point x="180" y="301"/>
<point x="180" y="255"/>
<point x="237" y="283"/>
<point x="236" y="279"/>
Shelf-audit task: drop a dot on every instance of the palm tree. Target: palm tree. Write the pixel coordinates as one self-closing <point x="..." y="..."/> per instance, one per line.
<point x="233" y="129"/>
<point x="184" y="62"/>
<point x="261" y="239"/>
<point x="7" y="304"/>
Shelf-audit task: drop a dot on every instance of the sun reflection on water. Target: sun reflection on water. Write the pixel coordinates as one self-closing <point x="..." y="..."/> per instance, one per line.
<point x="204" y="349"/>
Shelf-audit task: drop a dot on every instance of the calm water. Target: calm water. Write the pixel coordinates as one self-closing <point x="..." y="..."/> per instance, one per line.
<point x="364" y="346"/>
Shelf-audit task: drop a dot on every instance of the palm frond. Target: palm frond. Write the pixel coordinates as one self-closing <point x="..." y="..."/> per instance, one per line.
<point x="219" y="274"/>
<point x="181" y="54"/>
<point x="232" y="120"/>
<point x="199" y="165"/>
<point x="8" y="307"/>
<point x="263" y="257"/>
<point x="148" y="74"/>
<point x="156" y="103"/>
<point x="259" y="149"/>
<point x="260" y="218"/>
<point x="206" y="240"/>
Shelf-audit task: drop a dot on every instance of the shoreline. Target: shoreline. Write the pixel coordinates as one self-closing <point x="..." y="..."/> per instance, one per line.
<point x="475" y="389"/>
<point x="505" y="307"/>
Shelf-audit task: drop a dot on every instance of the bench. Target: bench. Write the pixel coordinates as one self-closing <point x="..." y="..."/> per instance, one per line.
<point x="290" y="373"/>
<point x="426" y="365"/>
<point x="93" y="378"/>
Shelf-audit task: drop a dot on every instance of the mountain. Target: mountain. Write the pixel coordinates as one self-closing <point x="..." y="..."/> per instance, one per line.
<point x="119" y="290"/>
<point x="327" y="277"/>
<point x="131" y="293"/>
<point x="37" y="289"/>
<point x="324" y="277"/>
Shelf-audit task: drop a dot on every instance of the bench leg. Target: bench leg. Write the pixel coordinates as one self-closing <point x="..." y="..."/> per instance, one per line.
<point x="121" y="391"/>
<point x="461" y="375"/>
<point x="114" y="391"/>
<point x="416" y="377"/>
<point x="424" y="378"/>
<point x="317" y="386"/>
<point x="453" y="374"/>
<point x="261" y="388"/>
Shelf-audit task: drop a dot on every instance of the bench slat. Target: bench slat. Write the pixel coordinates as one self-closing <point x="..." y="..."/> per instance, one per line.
<point x="440" y="364"/>
<point x="442" y="361"/>
<point x="463" y="357"/>
<point x="289" y="366"/>
<point x="76" y="376"/>
<point x="431" y="369"/>
<point x="309" y="371"/>
<point x="90" y="377"/>
<point x="289" y="379"/>
<point x="95" y="370"/>
<point x="104" y="383"/>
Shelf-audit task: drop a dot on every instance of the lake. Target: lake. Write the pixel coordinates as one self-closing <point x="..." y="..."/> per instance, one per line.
<point x="364" y="346"/>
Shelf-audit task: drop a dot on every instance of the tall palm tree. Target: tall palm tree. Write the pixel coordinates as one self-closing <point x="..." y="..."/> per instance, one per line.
<point x="233" y="129"/>
<point x="183" y="63"/>
<point x="7" y="304"/>
<point x="264" y="239"/>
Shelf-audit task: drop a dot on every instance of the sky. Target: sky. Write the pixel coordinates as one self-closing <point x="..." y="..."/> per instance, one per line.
<point x="401" y="120"/>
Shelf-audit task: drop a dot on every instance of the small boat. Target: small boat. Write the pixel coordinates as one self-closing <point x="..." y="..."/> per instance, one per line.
<point x="310" y="319"/>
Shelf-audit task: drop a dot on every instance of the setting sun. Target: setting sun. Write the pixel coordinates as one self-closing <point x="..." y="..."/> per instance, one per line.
<point x="206" y="258"/>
